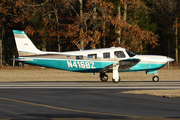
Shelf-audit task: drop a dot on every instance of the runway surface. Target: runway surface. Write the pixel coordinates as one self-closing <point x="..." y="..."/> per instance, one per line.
<point x="92" y="85"/>
<point x="85" y="101"/>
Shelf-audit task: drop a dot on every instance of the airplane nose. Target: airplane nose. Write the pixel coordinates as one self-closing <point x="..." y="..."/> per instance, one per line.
<point x="169" y="59"/>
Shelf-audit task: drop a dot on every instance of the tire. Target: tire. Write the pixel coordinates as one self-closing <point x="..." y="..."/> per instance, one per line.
<point x="155" y="79"/>
<point x="104" y="78"/>
<point x="116" y="81"/>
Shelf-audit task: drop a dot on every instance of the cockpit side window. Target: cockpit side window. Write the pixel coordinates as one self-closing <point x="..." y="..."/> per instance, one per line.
<point x="119" y="54"/>
<point x="131" y="54"/>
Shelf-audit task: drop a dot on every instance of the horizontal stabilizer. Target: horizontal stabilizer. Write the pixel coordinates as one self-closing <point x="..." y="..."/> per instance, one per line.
<point x="22" y="59"/>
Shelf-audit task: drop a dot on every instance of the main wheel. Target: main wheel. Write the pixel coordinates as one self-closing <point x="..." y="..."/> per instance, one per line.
<point x="116" y="81"/>
<point x="104" y="77"/>
<point x="155" y="79"/>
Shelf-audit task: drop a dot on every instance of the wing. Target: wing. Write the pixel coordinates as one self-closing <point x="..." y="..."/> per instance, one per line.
<point x="123" y="65"/>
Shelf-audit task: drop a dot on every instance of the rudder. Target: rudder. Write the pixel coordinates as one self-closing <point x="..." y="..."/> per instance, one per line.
<point x="24" y="45"/>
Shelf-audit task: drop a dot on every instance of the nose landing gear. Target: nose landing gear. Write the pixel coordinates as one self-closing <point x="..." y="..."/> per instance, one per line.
<point x="155" y="78"/>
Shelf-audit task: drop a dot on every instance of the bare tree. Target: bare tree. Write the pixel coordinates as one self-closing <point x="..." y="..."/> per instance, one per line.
<point x="1" y="38"/>
<point x="168" y="12"/>
<point x="81" y="15"/>
<point x="119" y="30"/>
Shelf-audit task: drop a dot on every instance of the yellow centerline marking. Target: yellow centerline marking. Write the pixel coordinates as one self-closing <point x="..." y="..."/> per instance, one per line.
<point x="60" y="108"/>
<point x="89" y="112"/>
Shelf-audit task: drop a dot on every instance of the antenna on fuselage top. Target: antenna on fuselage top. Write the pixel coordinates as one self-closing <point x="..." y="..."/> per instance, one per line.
<point x="78" y="46"/>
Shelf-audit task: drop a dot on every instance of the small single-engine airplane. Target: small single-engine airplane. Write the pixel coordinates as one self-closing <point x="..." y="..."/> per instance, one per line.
<point x="114" y="59"/>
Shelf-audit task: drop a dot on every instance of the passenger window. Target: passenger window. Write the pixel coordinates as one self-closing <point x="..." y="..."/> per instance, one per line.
<point x="80" y="57"/>
<point x="119" y="54"/>
<point x="106" y="55"/>
<point x="92" y="56"/>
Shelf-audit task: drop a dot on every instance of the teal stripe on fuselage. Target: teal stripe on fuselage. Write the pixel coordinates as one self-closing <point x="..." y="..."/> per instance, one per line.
<point x="145" y="67"/>
<point x="88" y="65"/>
<point x="155" y="66"/>
<point x="71" y="65"/>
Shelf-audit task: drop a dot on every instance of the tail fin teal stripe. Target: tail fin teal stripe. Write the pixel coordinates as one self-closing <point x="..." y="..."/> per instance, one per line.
<point x="19" y="32"/>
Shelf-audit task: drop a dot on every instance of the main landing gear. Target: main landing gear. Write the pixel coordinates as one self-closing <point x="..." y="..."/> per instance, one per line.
<point x="115" y="79"/>
<point x="155" y="78"/>
<point x="104" y="78"/>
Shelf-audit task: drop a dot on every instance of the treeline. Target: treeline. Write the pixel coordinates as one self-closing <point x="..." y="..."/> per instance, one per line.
<point x="143" y="26"/>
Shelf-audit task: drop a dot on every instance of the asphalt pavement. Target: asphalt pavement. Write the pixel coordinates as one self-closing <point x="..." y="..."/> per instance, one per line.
<point x="75" y="100"/>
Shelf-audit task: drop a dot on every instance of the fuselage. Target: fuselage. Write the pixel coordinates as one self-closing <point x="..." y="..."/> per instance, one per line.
<point x="94" y="60"/>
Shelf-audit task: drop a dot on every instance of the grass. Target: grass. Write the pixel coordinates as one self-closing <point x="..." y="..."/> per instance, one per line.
<point x="32" y="73"/>
<point x="164" y="93"/>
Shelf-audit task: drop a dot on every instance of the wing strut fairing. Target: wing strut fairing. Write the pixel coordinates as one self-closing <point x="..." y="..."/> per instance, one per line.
<point x="122" y="65"/>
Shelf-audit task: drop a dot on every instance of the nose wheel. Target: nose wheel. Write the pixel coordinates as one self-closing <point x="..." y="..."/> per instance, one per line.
<point x="155" y="78"/>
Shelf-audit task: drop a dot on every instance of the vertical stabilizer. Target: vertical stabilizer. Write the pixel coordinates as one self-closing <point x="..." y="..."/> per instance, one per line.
<point x="24" y="45"/>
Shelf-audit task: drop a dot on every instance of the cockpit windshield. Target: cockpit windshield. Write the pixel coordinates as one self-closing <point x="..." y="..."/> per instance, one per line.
<point x="131" y="54"/>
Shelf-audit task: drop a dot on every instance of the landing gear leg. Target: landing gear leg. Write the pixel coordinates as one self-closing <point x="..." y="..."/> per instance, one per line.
<point x="155" y="78"/>
<point x="103" y="77"/>
<point x="116" y="78"/>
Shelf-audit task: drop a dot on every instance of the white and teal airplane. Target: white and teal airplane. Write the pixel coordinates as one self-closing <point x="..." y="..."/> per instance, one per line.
<point x="114" y="59"/>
